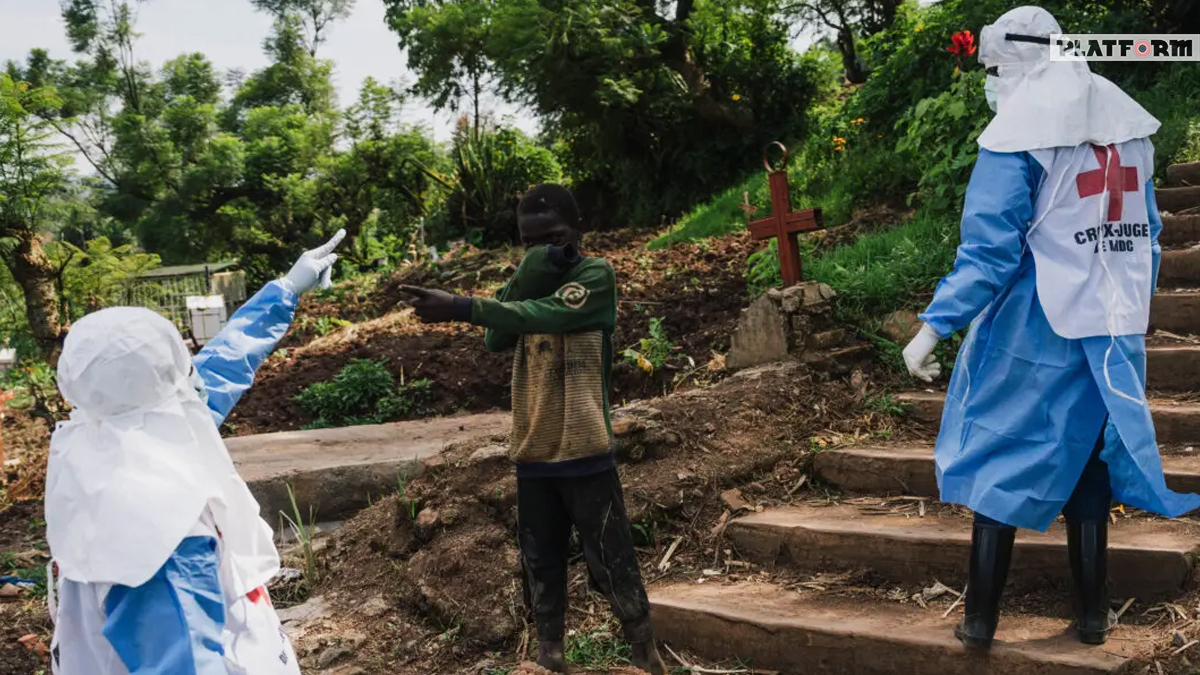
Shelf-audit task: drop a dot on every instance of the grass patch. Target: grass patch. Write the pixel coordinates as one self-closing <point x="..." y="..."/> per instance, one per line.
<point x="718" y="217"/>
<point x="880" y="272"/>
<point x="597" y="649"/>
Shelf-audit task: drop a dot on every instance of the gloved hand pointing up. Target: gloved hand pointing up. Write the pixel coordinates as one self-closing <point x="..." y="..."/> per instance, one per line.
<point x="315" y="266"/>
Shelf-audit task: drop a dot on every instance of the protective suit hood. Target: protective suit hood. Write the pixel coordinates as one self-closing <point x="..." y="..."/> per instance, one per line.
<point x="133" y="470"/>
<point x="1046" y="104"/>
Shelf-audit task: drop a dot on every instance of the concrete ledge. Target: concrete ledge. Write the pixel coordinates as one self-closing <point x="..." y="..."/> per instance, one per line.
<point x="1149" y="560"/>
<point x="1180" y="230"/>
<point x="1180" y="175"/>
<point x="773" y="628"/>
<point x="1173" y="422"/>
<point x="1176" y="312"/>
<point x="1176" y="199"/>
<point x="336" y="472"/>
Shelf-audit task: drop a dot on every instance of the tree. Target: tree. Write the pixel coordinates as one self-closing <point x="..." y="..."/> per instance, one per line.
<point x="33" y="171"/>
<point x="316" y="16"/>
<point x="447" y="45"/>
<point x="849" y="19"/>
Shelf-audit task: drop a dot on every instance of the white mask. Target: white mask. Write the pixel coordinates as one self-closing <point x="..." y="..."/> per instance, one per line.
<point x="991" y="90"/>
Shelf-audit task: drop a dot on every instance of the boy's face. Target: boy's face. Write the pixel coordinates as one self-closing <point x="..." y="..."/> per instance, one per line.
<point x="538" y="230"/>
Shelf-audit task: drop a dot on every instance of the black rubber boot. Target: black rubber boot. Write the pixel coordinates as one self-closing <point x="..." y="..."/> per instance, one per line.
<point x="551" y="656"/>
<point x="645" y="657"/>
<point x="991" y="554"/>
<point x="1087" y="544"/>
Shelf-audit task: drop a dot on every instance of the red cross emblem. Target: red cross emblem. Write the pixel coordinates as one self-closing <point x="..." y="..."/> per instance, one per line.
<point x="259" y="596"/>
<point x="1115" y="179"/>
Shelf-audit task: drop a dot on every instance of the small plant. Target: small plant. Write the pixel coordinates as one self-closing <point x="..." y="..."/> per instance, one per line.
<point x="410" y="506"/>
<point x="327" y="324"/>
<point x="364" y="392"/>
<point x="886" y="405"/>
<point x="304" y="535"/>
<point x="654" y="351"/>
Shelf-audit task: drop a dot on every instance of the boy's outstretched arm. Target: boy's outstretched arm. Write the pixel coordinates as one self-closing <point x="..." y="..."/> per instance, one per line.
<point x="586" y="302"/>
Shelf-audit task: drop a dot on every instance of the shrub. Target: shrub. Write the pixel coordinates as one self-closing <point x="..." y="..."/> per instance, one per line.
<point x="489" y="172"/>
<point x="364" y="392"/>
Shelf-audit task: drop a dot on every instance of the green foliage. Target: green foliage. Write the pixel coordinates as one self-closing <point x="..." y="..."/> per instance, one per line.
<point x="654" y="351"/>
<point x="651" y="111"/>
<point x="364" y="392"/>
<point x="490" y="172"/>
<point x="596" y="649"/>
<point x="95" y="276"/>
<point x="939" y="135"/>
<point x="35" y="386"/>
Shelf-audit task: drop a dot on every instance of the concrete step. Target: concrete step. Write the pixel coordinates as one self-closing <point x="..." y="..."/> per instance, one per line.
<point x="1175" y="311"/>
<point x="337" y="472"/>
<point x="1180" y="230"/>
<point x="1173" y="367"/>
<point x="1174" y="422"/>
<point x="1148" y="559"/>
<point x="772" y="628"/>
<point x="909" y="470"/>
<point x="1180" y="175"/>
<point x="1180" y="269"/>
<point x="1177" y="200"/>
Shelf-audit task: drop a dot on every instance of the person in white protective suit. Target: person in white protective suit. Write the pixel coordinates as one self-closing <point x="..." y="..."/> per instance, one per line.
<point x="159" y="553"/>
<point x="1046" y="410"/>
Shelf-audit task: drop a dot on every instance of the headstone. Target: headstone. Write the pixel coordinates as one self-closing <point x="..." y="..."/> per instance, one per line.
<point x="8" y="359"/>
<point x="760" y="336"/>
<point x="784" y="323"/>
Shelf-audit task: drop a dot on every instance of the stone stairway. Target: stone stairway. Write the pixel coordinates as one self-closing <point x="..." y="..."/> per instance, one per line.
<point x="802" y="630"/>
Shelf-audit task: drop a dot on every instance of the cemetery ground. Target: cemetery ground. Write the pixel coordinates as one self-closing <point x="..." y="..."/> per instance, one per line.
<point x="785" y="513"/>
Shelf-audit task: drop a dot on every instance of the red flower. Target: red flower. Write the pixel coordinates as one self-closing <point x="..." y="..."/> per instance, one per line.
<point x="963" y="44"/>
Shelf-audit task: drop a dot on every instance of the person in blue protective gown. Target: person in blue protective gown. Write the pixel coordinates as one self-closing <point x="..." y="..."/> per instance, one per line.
<point x="160" y="556"/>
<point x="1046" y="410"/>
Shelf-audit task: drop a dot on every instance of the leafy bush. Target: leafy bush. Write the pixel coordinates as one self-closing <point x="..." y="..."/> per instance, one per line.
<point x="940" y="134"/>
<point x="364" y="392"/>
<point x="653" y="351"/>
<point x="490" y="171"/>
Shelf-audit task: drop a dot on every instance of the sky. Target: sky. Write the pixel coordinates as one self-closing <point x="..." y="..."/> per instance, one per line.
<point x="230" y="33"/>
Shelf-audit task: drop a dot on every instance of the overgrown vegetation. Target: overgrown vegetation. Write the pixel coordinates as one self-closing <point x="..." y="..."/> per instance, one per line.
<point x="363" y="392"/>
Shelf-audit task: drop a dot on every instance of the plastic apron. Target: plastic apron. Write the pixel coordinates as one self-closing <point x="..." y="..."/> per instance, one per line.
<point x="254" y="641"/>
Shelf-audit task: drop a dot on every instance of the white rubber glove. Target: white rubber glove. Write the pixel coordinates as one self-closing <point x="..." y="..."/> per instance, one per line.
<point x="315" y="266"/>
<point x="918" y="355"/>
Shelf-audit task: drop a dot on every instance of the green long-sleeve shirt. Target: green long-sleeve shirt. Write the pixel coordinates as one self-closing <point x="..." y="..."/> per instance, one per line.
<point x="561" y="324"/>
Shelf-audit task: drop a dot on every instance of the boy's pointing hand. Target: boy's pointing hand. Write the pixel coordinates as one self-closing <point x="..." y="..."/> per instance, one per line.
<point x="434" y="306"/>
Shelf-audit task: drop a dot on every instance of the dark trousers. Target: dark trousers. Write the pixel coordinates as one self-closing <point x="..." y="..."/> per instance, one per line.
<point x="1091" y="499"/>
<point x="595" y="505"/>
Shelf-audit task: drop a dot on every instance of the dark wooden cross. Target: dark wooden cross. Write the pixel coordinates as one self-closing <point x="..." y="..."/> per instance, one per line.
<point x="1114" y="178"/>
<point x="785" y="224"/>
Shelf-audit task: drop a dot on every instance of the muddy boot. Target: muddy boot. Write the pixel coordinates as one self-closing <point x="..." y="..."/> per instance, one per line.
<point x="645" y="657"/>
<point x="991" y="553"/>
<point x="1087" y="545"/>
<point x="551" y="657"/>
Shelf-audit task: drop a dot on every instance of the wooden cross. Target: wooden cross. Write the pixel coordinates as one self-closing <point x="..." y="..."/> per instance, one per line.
<point x="785" y="224"/>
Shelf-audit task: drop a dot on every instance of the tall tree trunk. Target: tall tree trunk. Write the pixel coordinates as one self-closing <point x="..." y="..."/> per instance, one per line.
<point x="855" y="73"/>
<point x="34" y="273"/>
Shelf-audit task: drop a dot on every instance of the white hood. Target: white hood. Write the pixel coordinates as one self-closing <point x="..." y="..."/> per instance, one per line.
<point x="131" y="473"/>
<point x="1048" y="104"/>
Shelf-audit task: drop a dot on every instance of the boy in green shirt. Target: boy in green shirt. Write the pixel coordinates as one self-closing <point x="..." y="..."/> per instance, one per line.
<point x="559" y="311"/>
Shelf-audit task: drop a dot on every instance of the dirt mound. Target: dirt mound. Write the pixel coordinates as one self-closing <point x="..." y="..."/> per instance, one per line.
<point x="443" y="552"/>
<point x="697" y="290"/>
